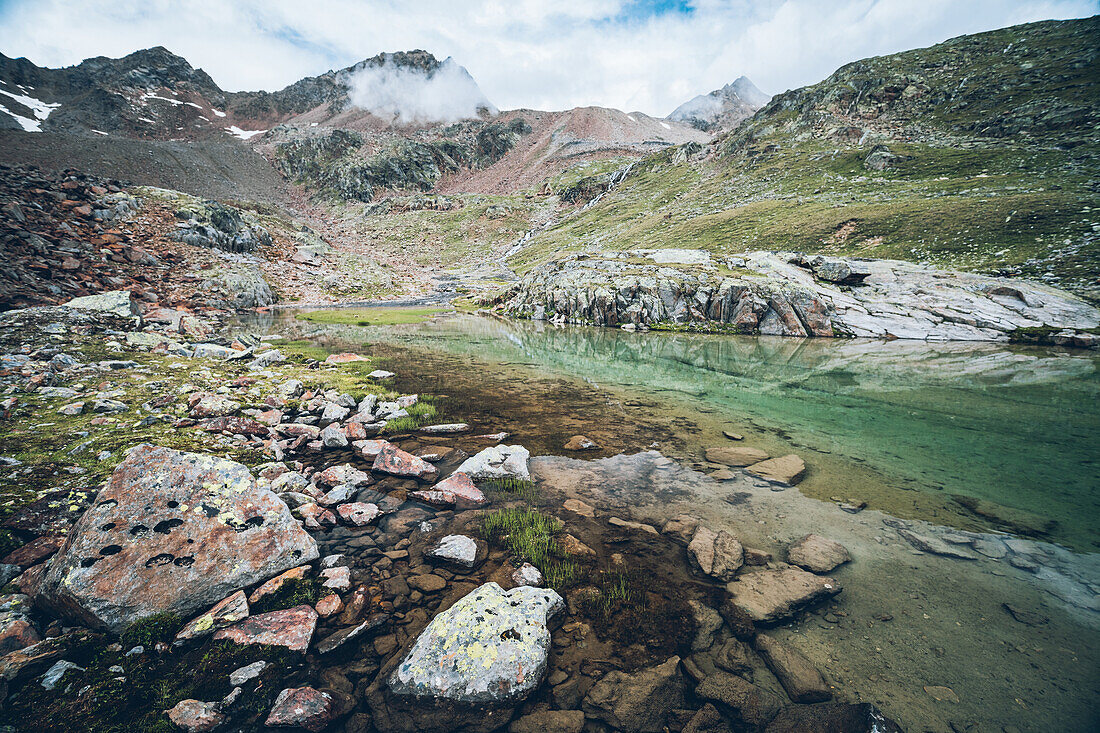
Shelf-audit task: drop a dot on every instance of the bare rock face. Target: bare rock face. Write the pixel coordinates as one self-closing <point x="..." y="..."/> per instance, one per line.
<point x="638" y="702"/>
<point x="171" y="532"/>
<point x="770" y="596"/>
<point x="817" y="554"/>
<point x="717" y="554"/>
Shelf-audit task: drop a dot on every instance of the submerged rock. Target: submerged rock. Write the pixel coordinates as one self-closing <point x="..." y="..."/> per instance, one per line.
<point x="736" y="455"/>
<point x="817" y="554"/>
<point x="832" y="718"/>
<point x="716" y="554"/>
<point x="797" y="674"/>
<point x="472" y="665"/>
<point x="770" y="596"/>
<point x="740" y="700"/>
<point x="788" y="469"/>
<point x="639" y="702"/>
<point x="171" y="532"/>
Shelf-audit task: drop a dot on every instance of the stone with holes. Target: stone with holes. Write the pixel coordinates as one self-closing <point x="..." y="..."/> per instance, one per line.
<point x="472" y="665"/>
<point x="171" y="532"/>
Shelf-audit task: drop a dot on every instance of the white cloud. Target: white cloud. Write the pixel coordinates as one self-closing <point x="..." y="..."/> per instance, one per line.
<point x="522" y="53"/>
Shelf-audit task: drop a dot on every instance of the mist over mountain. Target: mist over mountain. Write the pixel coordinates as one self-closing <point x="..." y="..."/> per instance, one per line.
<point x="723" y="109"/>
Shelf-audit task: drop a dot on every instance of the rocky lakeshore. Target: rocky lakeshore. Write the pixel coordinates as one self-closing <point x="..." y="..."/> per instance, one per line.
<point x="281" y="539"/>
<point x="792" y="294"/>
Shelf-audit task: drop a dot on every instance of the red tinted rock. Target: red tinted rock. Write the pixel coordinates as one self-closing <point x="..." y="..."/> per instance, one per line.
<point x="315" y="517"/>
<point x="30" y="581"/>
<point x="196" y="716"/>
<point x="371" y="448"/>
<point x="16" y="632"/>
<point x="393" y="460"/>
<point x="330" y="605"/>
<point x="234" y="426"/>
<point x="278" y="582"/>
<point x="457" y="490"/>
<point x="34" y="551"/>
<point x="213" y="406"/>
<point x="291" y="628"/>
<point x="344" y="474"/>
<point x="270" y="418"/>
<point x="171" y="532"/>
<point x="302" y="707"/>
<point x="357" y="513"/>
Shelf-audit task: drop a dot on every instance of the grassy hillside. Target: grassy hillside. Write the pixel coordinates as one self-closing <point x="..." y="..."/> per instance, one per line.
<point x="980" y="153"/>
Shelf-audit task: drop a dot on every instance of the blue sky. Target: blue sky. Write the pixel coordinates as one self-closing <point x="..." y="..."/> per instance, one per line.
<point x="645" y="55"/>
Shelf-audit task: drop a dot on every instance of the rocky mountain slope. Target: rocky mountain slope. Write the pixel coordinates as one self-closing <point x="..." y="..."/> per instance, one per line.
<point x="976" y="154"/>
<point x="723" y="109"/>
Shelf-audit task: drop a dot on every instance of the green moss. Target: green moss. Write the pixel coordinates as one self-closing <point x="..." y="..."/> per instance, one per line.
<point x="294" y="592"/>
<point x="151" y="629"/>
<point x="378" y="316"/>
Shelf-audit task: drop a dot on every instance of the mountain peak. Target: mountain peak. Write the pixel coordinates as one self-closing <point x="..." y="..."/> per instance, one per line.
<point x="723" y="109"/>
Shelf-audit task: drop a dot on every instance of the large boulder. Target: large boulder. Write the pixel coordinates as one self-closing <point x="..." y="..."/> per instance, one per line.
<point x="171" y="532"/>
<point x="639" y="702"/>
<point x="472" y="665"/>
<point x="119" y="302"/>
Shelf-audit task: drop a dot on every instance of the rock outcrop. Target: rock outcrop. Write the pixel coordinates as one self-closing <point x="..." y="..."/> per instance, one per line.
<point x="173" y="532"/>
<point x="788" y="294"/>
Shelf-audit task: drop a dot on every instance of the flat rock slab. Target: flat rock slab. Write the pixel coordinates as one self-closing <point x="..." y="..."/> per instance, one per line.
<point x="225" y="613"/>
<point x="770" y="596"/>
<point x="488" y="650"/>
<point x="736" y="455"/>
<point x="817" y="554"/>
<point x="171" y="532"/>
<point x="292" y="628"/>
<point x="788" y="469"/>
<point x="459" y="551"/>
<point x="934" y="545"/>
<point x="739" y="699"/>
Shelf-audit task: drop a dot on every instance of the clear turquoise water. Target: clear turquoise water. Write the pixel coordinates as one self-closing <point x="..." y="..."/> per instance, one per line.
<point x="1019" y="426"/>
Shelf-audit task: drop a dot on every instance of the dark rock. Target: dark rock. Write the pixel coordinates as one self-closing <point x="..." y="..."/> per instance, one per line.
<point x="741" y="701"/>
<point x="639" y="702"/>
<point x="832" y="718"/>
<point x="797" y="674"/>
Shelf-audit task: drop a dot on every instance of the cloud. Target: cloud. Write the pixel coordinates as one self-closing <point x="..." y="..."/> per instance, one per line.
<point x="647" y="55"/>
<point x="405" y="95"/>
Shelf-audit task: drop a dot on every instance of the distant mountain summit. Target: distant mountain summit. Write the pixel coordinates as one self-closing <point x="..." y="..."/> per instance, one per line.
<point x="723" y="109"/>
<point x="155" y="94"/>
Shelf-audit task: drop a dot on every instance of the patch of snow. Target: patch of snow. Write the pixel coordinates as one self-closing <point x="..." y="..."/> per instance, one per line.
<point x="146" y="119"/>
<point x="243" y="134"/>
<point x="174" y="102"/>
<point x="631" y="118"/>
<point x="26" y="123"/>
<point x="41" y="110"/>
<point x="98" y="132"/>
<point x="665" y="125"/>
<point x="218" y="112"/>
<point x="313" y="124"/>
<point x="192" y="104"/>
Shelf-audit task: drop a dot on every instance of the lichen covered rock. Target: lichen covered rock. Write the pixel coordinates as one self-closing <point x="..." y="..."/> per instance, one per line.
<point x="171" y="532"/>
